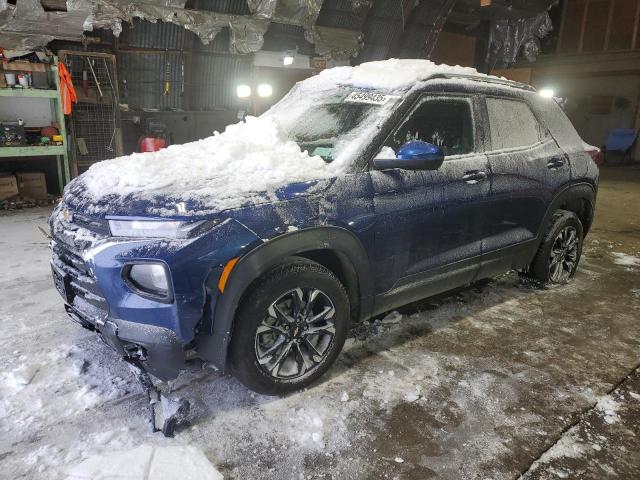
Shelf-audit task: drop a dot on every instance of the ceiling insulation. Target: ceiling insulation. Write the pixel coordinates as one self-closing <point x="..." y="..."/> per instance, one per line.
<point x="516" y="25"/>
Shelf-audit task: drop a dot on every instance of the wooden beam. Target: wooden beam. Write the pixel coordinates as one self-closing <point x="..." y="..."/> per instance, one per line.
<point x="582" y="26"/>
<point x="634" y="42"/>
<point x="563" y="19"/>
<point x="607" y="33"/>
<point x="406" y="7"/>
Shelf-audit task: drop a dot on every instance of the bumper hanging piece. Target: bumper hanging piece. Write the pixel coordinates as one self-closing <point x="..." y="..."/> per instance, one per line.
<point x="165" y="412"/>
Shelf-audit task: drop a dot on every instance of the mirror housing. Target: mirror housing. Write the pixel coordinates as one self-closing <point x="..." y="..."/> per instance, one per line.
<point x="413" y="155"/>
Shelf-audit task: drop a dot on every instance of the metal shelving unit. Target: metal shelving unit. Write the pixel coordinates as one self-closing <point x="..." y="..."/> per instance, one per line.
<point x="59" y="151"/>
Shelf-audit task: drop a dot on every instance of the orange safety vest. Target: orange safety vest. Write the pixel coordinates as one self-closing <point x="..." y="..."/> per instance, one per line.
<point x="67" y="92"/>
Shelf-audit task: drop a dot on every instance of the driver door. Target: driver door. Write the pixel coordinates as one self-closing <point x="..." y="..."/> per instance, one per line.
<point x="429" y="224"/>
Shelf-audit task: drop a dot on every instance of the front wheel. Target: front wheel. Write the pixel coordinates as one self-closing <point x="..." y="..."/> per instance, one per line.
<point x="289" y="328"/>
<point x="558" y="256"/>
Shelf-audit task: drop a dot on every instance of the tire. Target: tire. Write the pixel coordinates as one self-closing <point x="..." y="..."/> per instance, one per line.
<point x="559" y="253"/>
<point x="294" y="346"/>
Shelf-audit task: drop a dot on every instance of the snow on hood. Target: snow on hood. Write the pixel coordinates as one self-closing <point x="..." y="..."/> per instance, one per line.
<point x="223" y="171"/>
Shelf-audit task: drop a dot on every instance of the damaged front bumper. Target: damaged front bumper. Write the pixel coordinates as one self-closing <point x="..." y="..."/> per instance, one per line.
<point x="158" y="349"/>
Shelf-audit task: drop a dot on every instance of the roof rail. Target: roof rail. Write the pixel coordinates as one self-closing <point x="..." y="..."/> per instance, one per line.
<point x="485" y="79"/>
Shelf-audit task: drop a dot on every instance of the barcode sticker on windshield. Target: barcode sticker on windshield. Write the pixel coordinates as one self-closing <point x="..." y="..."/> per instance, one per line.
<point x="368" y="97"/>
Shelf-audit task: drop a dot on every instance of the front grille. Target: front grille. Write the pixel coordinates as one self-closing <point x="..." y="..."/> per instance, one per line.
<point x="83" y="292"/>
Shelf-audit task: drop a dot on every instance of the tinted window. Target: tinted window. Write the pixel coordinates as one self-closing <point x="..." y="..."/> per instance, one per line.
<point x="512" y="124"/>
<point x="446" y="123"/>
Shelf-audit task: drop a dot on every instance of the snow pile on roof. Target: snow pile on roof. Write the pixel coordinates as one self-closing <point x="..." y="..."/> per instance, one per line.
<point x="147" y="462"/>
<point x="226" y="169"/>
<point x="393" y="74"/>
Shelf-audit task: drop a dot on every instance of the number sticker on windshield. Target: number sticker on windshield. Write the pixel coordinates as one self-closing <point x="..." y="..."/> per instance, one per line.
<point x="368" y="97"/>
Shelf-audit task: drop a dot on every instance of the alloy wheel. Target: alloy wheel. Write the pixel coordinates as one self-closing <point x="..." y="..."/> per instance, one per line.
<point x="564" y="255"/>
<point x="296" y="333"/>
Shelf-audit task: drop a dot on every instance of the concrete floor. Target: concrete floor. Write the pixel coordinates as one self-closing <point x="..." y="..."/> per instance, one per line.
<point x="497" y="381"/>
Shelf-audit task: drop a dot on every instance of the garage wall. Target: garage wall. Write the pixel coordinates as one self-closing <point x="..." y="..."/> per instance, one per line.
<point x="455" y="49"/>
<point x="597" y="104"/>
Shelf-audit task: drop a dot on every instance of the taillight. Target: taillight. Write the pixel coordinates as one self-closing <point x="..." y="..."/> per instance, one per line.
<point x="596" y="155"/>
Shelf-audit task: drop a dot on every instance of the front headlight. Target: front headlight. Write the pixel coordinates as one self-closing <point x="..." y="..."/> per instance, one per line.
<point x="150" y="278"/>
<point x="158" y="228"/>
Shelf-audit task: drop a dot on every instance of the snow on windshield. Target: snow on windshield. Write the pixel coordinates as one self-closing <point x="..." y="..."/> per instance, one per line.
<point x="329" y="122"/>
<point x="230" y="169"/>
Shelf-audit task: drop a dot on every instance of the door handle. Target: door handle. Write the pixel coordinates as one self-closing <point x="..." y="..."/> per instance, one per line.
<point x="555" y="163"/>
<point x="474" y="176"/>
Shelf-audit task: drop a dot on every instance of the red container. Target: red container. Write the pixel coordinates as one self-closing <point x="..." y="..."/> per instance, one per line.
<point x="151" y="144"/>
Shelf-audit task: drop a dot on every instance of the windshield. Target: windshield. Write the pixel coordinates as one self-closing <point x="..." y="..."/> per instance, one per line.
<point x="330" y="123"/>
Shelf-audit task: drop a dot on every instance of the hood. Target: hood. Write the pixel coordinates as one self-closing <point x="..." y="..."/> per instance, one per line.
<point x="177" y="206"/>
<point x="250" y="163"/>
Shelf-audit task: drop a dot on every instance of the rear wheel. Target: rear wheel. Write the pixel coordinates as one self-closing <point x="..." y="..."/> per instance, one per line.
<point x="289" y="328"/>
<point x="558" y="256"/>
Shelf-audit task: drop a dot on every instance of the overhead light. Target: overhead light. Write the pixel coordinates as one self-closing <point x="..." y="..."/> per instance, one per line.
<point x="265" y="90"/>
<point x="243" y="91"/>
<point x="287" y="60"/>
<point x="547" y="93"/>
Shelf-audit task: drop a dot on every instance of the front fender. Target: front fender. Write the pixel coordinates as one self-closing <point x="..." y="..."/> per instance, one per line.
<point x="213" y="345"/>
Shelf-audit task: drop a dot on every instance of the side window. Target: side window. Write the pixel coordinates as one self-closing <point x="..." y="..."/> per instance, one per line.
<point x="445" y="123"/>
<point x="512" y="124"/>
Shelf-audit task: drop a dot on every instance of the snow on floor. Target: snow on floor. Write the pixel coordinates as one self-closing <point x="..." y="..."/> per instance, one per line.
<point x="452" y="386"/>
<point x="625" y="260"/>
<point x="147" y="463"/>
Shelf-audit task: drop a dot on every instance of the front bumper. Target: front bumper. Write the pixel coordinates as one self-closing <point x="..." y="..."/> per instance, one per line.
<point x="158" y="349"/>
<point x="89" y="272"/>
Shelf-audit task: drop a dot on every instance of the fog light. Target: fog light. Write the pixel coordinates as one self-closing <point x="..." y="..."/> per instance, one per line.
<point x="150" y="278"/>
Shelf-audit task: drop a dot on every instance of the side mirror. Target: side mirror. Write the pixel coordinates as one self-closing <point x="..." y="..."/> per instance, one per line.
<point x="413" y="155"/>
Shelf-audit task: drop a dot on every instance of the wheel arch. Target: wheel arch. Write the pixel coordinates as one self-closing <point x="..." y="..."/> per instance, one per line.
<point x="335" y="248"/>
<point x="577" y="198"/>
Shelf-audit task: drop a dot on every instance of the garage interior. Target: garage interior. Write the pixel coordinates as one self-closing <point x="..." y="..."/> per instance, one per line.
<point x="498" y="380"/>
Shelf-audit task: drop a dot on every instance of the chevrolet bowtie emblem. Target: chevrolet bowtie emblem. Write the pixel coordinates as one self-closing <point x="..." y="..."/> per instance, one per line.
<point x="67" y="215"/>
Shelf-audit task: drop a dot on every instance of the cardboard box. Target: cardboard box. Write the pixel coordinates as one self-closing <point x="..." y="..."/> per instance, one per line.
<point x="32" y="185"/>
<point x="8" y="186"/>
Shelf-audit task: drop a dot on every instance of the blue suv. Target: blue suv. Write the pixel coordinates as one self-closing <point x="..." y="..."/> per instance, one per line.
<point x="431" y="183"/>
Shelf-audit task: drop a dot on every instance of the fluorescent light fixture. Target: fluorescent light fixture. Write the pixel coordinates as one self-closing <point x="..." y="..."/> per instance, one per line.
<point x="547" y="93"/>
<point x="265" y="90"/>
<point x="243" y="91"/>
<point x="287" y="60"/>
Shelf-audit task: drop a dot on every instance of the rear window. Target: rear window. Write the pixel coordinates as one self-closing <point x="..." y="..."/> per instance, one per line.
<point x="512" y="124"/>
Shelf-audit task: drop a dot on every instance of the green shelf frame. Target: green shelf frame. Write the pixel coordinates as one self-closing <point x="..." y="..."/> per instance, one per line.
<point x="60" y="151"/>
<point x="32" y="151"/>
<point x="28" y="93"/>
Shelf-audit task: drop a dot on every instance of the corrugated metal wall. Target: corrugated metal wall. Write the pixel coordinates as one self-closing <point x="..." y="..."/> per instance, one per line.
<point x="199" y="77"/>
<point x="143" y="77"/>
<point x="215" y="80"/>
<point x="143" y="34"/>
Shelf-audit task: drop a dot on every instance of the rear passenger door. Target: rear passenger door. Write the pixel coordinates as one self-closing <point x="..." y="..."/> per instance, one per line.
<point x="528" y="168"/>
